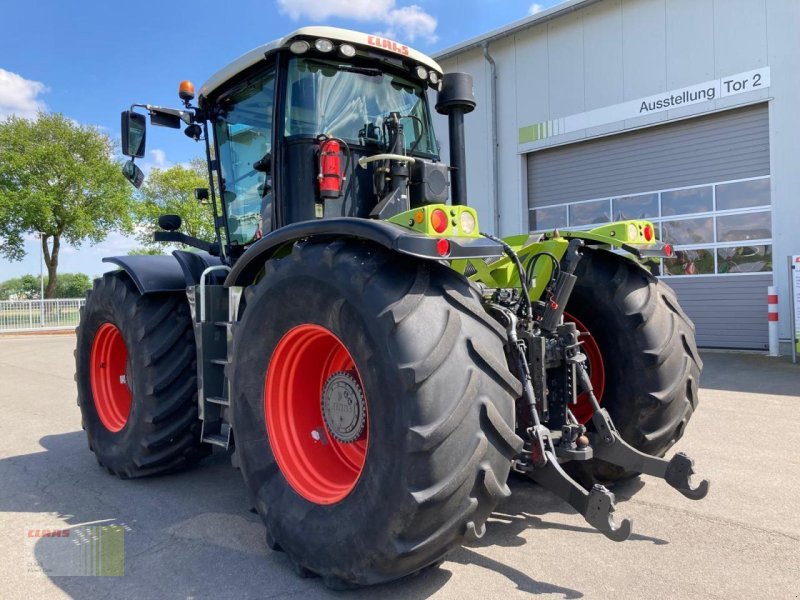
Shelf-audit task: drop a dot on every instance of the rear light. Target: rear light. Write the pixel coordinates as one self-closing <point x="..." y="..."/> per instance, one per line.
<point x="668" y="249"/>
<point x="467" y="222"/>
<point x="443" y="247"/>
<point x="633" y="232"/>
<point x="648" y="233"/>
<point x="439" y="220"/>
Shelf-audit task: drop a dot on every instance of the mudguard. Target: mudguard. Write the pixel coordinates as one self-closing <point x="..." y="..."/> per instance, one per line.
<point x="392" y="236"/>
<point x="165" y="273"/>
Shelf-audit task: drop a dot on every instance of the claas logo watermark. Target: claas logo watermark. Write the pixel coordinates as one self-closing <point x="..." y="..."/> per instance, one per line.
<point x="87" y="550"/>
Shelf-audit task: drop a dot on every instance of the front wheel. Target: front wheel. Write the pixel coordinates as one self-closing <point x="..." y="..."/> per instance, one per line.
<point x="372" y="410"/>
<point x="137" y="380"/>
<point x="641" y="351"/>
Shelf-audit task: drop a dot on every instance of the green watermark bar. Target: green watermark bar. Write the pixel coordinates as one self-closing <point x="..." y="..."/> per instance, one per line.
<point x="86" y="550"/>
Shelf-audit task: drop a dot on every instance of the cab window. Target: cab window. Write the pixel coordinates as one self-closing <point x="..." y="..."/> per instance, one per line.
<point x="243" y="132"/>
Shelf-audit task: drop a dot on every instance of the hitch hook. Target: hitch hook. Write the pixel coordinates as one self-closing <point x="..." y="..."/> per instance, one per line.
<point x="597" y="506"/>
<point x="610" y="447"/>
<point x="679" y="474"/>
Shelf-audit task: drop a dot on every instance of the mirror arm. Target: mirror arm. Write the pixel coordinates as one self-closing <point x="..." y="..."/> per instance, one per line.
<point x="187" y="116"/>
<point x="181" y="238"/>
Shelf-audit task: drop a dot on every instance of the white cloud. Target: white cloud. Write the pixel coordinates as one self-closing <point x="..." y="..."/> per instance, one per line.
<point x="155" y="159"/>
<point x="20" y="96"/>
<point x="411" y="22"/>
<point x="405" y="22"/>
<point x="535" y="8"/>
<point x="159" y="158"/>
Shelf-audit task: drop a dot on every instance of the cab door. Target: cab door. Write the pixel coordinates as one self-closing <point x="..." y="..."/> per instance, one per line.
<point x="243" y="131"/>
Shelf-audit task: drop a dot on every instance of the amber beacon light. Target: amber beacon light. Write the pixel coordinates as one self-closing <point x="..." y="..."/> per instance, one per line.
<point x="186" y="90"/>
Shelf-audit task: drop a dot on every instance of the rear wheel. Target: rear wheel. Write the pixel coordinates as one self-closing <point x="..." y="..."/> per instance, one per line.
<point x="645" y="346"/>
<point x="136" y="377"/>
<point x="372" y="410"/>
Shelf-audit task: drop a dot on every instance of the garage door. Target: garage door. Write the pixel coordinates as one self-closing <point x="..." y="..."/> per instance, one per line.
<point x="705" y="183"/>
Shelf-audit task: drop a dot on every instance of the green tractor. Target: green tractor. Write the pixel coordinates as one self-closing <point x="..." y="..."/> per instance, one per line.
<point x="376" y="365"/>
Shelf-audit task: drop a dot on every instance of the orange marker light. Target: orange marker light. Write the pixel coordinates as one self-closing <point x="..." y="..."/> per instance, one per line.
<point x="186" y="90"/>
<point x="419" y="216"/>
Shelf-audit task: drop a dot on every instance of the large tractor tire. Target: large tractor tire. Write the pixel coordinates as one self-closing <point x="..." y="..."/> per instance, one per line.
<point x="641" y="351"/>
<point x="372" y="410"/>
<point x="137" y="379"/>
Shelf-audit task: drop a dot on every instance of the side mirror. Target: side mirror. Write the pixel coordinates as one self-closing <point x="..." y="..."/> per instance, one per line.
<point x="170" y="222"/>
<point x="134" y="129"/>
<point x="133" y="174"/>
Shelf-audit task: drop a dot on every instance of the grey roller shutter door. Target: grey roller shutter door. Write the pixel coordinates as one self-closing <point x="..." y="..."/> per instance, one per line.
<point x="729" y="145"/>
<point x="728" y="311"/>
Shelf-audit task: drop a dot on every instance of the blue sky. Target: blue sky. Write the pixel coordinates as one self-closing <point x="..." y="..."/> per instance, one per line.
<point x="93" y="58"/>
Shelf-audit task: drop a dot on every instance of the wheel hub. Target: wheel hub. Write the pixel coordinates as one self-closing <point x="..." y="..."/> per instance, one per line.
<point x="343" y="407"/>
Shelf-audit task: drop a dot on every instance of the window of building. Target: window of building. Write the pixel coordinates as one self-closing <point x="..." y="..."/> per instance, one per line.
<point x="642" y="206"/>
<point x="720" y="228"/>
<point x="688" y="201"/>
<point x="743" y="194"/>
<point x="590" y="213"/>
<point x="547" y="219"/>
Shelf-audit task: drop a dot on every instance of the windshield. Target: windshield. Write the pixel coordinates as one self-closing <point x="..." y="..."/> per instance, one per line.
<point x="352" y="103"/>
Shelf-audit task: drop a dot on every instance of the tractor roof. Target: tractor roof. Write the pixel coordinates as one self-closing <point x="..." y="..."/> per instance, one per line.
<point x="373" y="42"/>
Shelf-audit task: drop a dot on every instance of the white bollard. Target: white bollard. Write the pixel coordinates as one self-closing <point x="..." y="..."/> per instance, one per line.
<point x="772" y="315"/>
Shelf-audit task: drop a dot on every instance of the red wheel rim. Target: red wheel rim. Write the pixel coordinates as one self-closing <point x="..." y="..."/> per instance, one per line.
<point x="594" y="358"/>
<point x="317" y="466"/>
<point x="108" y="376"/>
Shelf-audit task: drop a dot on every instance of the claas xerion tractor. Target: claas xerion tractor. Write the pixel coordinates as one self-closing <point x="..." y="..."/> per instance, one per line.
<point x="376" y="364"/>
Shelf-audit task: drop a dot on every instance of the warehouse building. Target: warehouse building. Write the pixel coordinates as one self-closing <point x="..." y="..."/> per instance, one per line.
<point x="684" y="112"/>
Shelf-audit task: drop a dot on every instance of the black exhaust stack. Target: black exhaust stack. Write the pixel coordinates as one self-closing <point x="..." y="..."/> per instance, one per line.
<point x="456" y="98"/>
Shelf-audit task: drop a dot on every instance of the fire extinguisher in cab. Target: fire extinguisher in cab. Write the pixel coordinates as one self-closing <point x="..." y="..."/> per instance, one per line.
<point x="330" y="168"/>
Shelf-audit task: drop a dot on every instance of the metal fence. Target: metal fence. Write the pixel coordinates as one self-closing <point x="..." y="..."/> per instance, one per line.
<point x="28" y="315"/>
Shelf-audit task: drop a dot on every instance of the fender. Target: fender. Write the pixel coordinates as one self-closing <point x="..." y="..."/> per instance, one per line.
<point x="173" y="273"/>
<point x="389" y="235"/>
<point x="629" y="236"/>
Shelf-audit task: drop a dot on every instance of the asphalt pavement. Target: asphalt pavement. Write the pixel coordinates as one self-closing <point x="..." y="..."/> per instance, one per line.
<point x="190" y="535"/>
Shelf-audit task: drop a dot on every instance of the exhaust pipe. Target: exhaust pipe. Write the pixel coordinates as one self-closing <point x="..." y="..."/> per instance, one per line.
<point x="456" y="98"/>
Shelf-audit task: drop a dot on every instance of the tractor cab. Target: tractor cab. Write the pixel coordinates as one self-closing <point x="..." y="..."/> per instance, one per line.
<point x="320" y="124"/>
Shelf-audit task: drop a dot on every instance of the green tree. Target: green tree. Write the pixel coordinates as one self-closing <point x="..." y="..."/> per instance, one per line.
<point x="25" y="287"/>
<point x="171" y="192"/>
<point x="146" y="251"/>
<point x="58" y="178"/>
<point x="72" y="285"/>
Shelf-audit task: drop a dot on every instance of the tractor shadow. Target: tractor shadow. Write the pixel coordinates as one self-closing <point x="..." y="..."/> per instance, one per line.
<point x="191" y="534"/>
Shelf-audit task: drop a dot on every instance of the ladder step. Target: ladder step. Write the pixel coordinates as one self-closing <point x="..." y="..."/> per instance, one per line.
<point x="218" y="400"/>
<point x="217" y="440"/>
<point x="219" y="361"/>
<point x="222" y="323"/>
